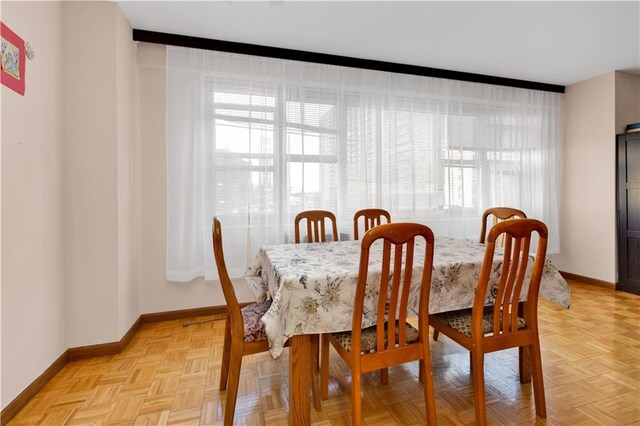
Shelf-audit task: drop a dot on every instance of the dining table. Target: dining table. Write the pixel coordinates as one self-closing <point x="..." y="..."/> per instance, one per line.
<point x="312" y="290"/>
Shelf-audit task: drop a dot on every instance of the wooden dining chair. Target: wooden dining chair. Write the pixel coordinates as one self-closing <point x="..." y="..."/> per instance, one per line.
<point x="499" y="214"/>
<point x="371" y="218"/>
<point x="370" y="349"/>
<point x="316" y="231"/>
<point x="484" y="329"/>
<point x="244" y="333"/>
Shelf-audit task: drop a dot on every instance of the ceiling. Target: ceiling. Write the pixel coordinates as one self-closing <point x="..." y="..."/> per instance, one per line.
<point x="548" y="42"/>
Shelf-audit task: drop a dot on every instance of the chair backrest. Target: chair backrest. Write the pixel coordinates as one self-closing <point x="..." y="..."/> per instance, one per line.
<point x="517" y="235"/>
<point x="397" y="235"/>
<point x="315" y="225"/>
<point x="233" y="307"/>
<point x="499" y="214"/>
<point x="372" y="217"/>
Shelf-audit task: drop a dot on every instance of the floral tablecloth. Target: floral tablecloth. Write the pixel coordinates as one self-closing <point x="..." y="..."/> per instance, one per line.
<point x="312" y="286"/>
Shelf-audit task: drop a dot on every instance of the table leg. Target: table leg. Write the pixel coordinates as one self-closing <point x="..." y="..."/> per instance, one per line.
<point x="315" y="363"/>
<point x="524" y="353"/>
<point x="524" y="364"/>
<point x="299" y="380"/>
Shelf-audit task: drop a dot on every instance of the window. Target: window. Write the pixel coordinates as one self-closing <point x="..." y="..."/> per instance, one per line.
<point x="257" y="140"/>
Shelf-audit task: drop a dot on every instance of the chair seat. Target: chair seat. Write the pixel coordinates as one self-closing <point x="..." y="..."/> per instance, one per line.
<point x="251" y="316"/>
<point x="368" y="338"/>
<point x="461" y="320"/>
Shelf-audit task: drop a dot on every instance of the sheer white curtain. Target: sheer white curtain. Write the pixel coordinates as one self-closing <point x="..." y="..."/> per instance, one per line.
<point x="256" y="140"/>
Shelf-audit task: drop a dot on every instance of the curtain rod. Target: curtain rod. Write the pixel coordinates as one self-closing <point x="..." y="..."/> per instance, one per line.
<point x="328" y="59"/>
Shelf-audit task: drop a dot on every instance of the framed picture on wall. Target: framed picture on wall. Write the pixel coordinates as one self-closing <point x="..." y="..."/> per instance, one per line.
<point x="13" y="60"/>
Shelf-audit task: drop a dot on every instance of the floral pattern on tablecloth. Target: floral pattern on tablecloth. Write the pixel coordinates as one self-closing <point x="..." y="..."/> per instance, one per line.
<point x="312" y="286"/>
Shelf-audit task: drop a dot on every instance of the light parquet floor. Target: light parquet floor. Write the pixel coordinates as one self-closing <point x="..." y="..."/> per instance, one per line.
<point x="169" y="375"/>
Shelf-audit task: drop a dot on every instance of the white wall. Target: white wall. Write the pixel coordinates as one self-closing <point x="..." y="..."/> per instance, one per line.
<point x="158" y="294"/>
<point x="33" y="261"/>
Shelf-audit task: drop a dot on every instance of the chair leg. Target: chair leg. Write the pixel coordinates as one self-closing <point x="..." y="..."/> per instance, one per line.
<point x="234" y="379"/>
<point x="226" y="349"/>
<point x="427" y="384"/>
<point x="421" y="372"/>
<point x="436" y="333"/>
<point x="324" y="368"/>
<point x="538" y="383"/>
<point x="356" y="393"/>
<point x="384" y="376"/>
<point x="477" y="360"/>
<point x="315" y="350"/>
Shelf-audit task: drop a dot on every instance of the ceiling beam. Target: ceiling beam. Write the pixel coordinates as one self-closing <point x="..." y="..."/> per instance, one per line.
<point x="327" y="59"/>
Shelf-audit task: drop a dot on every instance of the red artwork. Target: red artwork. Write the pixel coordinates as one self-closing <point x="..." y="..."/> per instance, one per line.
<point x="13" y="60"/>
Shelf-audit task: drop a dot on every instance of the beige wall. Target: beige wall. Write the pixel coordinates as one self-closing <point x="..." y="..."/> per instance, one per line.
<point x="2" y="402"/>
<point x="33" y="261"/>
<point x="158" y="294"/>
<point x="128" y="175"/>
<point x="70" y="218"/>
<point x="587" y="219"/>
<point x="91" y="192"/>
<point x="101" y="152"/>
<point x="627" y="100"/>
<point x="595" y="110"/>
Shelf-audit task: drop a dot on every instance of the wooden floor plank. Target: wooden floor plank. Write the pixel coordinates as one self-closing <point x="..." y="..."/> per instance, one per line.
<point x="169" y="374"/>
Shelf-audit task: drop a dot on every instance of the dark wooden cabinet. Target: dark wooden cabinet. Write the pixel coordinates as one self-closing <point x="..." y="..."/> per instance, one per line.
<point x="628" y="199"/>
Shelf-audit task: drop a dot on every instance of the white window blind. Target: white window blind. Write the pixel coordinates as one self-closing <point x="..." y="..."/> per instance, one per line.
<point x="256" y="140"/>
